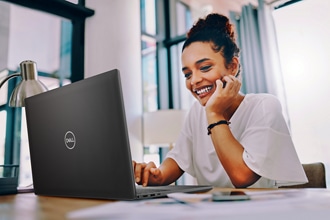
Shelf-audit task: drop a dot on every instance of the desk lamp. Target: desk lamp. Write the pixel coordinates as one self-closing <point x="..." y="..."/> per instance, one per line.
<point x="162" y="127"/>
<point x="29" y="86"/>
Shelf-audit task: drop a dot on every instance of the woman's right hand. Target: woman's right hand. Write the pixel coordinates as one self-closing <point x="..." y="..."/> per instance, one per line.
<point x="146" y="173"/>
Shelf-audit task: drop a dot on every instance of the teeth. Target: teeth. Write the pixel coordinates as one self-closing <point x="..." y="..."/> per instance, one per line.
<point x="203" y="90"/>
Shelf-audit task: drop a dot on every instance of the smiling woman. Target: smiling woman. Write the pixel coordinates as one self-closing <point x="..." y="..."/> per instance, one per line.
<point x="204" y="64"/>
<point x="229" y="139"/>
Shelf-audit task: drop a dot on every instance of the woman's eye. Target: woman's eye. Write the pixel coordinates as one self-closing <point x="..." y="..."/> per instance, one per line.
<point x="187" y="75"/>
<point x="205" y="68"/>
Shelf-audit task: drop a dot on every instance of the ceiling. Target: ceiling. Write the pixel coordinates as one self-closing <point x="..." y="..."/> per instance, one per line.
<point x="200" y="8"/>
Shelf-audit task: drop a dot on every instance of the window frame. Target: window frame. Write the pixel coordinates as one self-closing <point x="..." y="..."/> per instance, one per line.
<point x="168" y="88"/>
<point x="76" y="13"/>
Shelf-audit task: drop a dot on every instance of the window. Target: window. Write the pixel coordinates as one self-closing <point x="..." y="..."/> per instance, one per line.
<point x="149" y="67"/>
<point x="57" y="46"/>
<point x="45" y="39"/>
<point x="182" y="99"/>
<point x="303" y="46"/>
<point x="149" y="55"/>
<point x="163" y="28"/>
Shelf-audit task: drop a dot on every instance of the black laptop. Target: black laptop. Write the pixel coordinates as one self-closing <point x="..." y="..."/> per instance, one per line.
<point x="79" y="143"/>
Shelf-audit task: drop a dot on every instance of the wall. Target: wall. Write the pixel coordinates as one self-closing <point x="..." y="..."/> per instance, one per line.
<point x="304" y="47"/>
<point x="112" y="40"/>
<point x="41" y="41"/>
<point x="4" y="34"/>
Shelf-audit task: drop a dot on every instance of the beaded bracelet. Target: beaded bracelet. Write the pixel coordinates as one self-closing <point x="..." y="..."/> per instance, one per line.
<point x="221" y="122"/>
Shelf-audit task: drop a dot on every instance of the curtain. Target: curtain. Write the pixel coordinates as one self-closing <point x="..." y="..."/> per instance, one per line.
<point x="261" y="68"/>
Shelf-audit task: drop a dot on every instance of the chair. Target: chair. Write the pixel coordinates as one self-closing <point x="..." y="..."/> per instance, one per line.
<point x="315" y="173"/>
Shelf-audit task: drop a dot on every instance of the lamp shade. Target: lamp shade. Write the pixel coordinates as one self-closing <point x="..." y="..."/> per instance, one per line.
<point x="29" y="86"/>
<point x="162" y="126"/>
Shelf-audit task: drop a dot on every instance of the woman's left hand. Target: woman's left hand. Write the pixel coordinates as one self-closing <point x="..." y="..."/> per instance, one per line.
<point x="223" y="98"/>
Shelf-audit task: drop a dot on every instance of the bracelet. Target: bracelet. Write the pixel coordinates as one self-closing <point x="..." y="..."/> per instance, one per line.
<point x="221" y="122"/>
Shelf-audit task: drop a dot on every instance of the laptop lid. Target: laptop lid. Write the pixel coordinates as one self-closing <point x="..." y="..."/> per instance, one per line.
<point x="78" y="140"/>
<point x="79" y="143"/>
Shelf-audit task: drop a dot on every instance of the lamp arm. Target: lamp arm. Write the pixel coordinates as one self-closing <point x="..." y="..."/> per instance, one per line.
<point x="9" y="77"/>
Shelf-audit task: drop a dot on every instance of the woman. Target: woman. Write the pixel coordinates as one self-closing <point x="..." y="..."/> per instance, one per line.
<point x="229" y="139"/>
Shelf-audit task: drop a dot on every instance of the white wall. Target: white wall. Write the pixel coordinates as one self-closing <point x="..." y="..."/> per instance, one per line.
<point x="41" y="41"/>
<point x="112" y="40"/>
<point x="304" y="47"/>
<point x="4" y="34"/>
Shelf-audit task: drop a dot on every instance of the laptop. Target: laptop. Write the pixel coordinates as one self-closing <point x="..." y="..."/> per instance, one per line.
<point x="79" y="144"/>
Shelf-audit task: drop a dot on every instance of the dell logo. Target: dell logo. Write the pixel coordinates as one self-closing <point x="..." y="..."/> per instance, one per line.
<point x="70" y="140"/>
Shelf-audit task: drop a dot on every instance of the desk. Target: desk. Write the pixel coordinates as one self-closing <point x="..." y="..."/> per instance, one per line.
<point x="29" y="206"/>
<point x="313" y="204"/>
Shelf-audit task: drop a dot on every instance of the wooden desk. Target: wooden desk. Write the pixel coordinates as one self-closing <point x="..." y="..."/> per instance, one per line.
<point x="29" y="206"/>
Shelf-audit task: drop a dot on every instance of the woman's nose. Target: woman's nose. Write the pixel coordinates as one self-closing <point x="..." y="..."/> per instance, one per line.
<point x="195" y="78"/>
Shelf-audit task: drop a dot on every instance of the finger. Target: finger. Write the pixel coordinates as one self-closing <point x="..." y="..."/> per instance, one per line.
<point x="155" y="172"/>
<point x="219" y="84"/>
<point x="139" y="167"/>
<point x="146" y="173"/>
<point x="231" y="82"/>
<point x="236" y="83"/>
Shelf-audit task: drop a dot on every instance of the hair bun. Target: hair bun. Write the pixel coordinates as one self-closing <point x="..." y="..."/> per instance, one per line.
<point x="213" y="23"/>
<point x="216" y="30"/>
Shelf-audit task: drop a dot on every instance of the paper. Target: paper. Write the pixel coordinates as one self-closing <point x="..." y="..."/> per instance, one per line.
<point x="273" y="204"/>
<point x="25" y="189"/>
<point x="189" y="198"/>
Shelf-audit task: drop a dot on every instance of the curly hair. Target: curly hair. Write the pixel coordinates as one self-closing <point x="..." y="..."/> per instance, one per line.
<point x="217" y="29"/>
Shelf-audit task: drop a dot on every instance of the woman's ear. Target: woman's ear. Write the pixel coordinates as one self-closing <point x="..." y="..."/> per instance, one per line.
<point x="234" y="66"/>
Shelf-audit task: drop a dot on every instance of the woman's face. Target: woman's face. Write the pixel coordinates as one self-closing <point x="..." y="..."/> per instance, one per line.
<point x="201" y="67"/>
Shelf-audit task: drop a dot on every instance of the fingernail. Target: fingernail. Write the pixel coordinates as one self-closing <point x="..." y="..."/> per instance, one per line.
<point x="137" y="179"/>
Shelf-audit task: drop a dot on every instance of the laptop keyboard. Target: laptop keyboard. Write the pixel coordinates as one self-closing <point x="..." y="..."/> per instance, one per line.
<point x="149" y="189"/>
<point x="171" y="188"/>
<point x="162" y="191"/>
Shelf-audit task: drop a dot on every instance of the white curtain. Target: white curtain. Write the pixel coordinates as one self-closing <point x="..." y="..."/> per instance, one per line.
<point x="261" y="68"/>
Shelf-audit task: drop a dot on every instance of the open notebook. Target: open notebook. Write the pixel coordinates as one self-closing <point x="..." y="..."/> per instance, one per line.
<point x="79" y="143"/>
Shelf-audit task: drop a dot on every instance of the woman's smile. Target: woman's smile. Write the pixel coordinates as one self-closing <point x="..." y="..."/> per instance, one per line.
<point x="203" y="91"/>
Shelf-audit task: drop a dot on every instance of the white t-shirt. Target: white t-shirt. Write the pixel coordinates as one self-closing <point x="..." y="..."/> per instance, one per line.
<point x="258" y="124"/>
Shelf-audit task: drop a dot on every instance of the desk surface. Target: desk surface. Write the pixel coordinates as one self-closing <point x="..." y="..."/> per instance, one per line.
<point x="29" y="206"/>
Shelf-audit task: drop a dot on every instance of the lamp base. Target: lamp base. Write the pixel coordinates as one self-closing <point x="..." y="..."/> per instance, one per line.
<point x="8" y="179"/>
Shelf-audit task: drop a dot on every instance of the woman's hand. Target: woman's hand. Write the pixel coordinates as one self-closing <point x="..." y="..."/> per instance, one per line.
<point x="147" y="174"/>
<point x="223" y="98"/>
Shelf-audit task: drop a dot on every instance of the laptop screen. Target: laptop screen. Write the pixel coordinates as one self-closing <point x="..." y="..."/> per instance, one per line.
<point x="79" y="142"/>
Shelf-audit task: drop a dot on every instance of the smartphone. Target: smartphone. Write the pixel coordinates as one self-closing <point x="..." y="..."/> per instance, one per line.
<point x="229" y="196"/>
<point x="224" y="82"/>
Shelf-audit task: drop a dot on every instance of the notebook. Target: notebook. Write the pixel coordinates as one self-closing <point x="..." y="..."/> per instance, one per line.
<point x="79" y="143"/>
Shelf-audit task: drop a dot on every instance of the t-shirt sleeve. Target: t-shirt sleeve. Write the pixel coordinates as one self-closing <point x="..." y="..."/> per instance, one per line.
<point x="268" y="147"/>
<point x="182" y="154"/>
